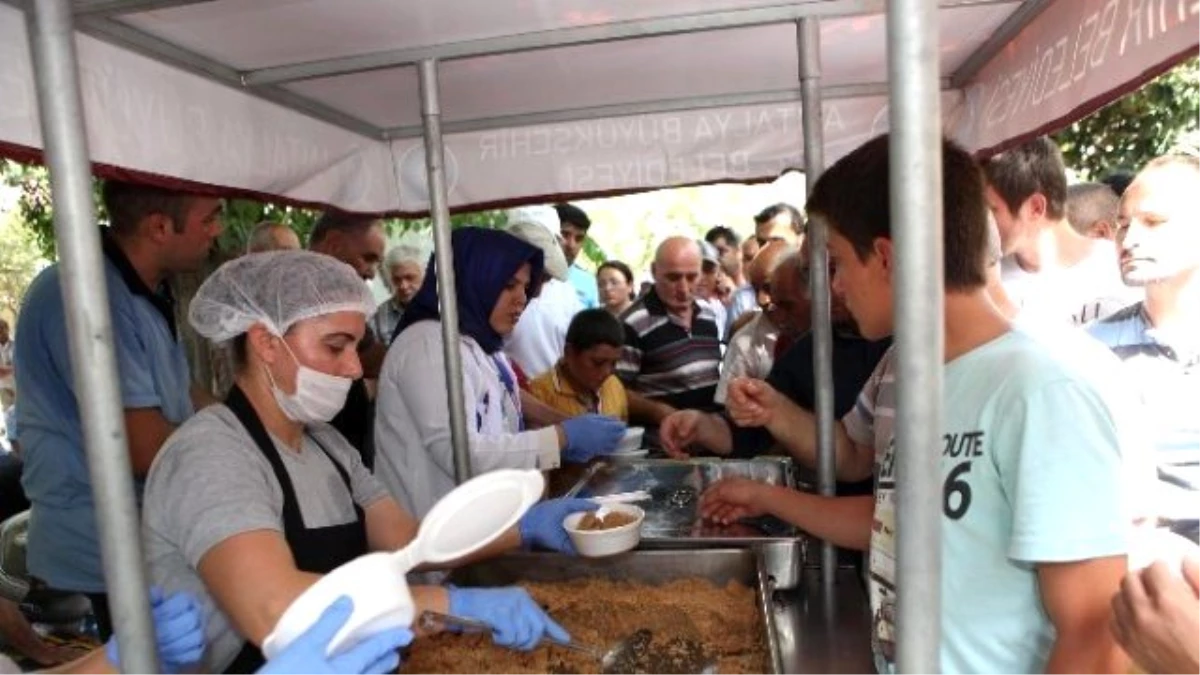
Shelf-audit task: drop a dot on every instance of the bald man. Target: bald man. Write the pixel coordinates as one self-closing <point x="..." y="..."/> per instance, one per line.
<point x="751" y="351"/>
<point x="270" y="236"/>
<point x="672" y="354"/>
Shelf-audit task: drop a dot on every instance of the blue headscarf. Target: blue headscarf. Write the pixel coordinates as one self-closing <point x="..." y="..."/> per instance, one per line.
<point x="484" y="261"/>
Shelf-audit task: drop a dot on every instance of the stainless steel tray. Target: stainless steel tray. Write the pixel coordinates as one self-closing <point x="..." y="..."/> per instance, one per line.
<point x="672" y="512"/>
<point x="745" y="565"/>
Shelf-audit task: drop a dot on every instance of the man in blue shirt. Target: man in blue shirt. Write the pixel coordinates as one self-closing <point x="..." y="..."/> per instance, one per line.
<point x="153" y="235"/>
<point x="573" y="226"/>
<point x="1158" y="235"/>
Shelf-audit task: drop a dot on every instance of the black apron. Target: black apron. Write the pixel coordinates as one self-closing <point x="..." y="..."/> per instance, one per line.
<point x="317" y="550"/>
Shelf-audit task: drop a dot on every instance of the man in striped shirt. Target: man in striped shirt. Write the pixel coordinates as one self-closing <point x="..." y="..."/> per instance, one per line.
<point x="672" y="354"/>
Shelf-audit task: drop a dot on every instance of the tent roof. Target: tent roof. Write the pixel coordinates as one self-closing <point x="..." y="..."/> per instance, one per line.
<point x="315" y="101"/>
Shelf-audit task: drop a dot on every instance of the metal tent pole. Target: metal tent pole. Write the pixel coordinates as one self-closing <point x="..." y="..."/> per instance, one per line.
<point x="439" y="211"/>
<point x="808" y="35"/>
<point x="81" y="266"/>
<point x="916" y="207"/>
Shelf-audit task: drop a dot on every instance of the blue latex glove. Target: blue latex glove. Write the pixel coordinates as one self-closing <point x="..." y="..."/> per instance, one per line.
<point x="377" y="654"/>
<point x="516" y="620"/>
<point x="589" y="436"/>
<point x="179" y="627"/>
<point x="542" y="524"/>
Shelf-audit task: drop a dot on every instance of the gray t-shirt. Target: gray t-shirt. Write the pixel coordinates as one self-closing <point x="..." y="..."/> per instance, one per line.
<point x="211" y="482"/>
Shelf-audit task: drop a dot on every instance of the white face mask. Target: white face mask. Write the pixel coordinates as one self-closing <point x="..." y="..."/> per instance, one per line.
<point x="319" y="397"/>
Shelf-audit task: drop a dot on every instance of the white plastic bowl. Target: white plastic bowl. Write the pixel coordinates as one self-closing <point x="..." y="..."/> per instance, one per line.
<point x="601" y="543"/>
<point x="632" y="441"/>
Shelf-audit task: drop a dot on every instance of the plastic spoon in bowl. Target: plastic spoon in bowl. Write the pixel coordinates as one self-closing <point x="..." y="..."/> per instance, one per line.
<point x="623" y="498"/>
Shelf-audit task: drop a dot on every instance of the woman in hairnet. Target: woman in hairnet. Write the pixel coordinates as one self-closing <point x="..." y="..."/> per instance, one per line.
<point x="496" y="273"/>
<point x="249" y="502"/>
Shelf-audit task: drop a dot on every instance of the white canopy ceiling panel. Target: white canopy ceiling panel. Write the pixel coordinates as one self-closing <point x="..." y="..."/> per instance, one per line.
<point x="844" y="60"/>
<point x="699" y="64"/>
<point x="263" y="33"/>
<point x="640" y="152"/>
<point x="151" y="118"/>
<point x="735" y="61"/>
<point x="1073" y="57"/>
<point x="536" y="102"/>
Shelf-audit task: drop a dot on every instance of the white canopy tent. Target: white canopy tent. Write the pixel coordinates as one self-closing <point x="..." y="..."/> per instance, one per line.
<point x="335" y="102"/>
<point x="316" y="101"/>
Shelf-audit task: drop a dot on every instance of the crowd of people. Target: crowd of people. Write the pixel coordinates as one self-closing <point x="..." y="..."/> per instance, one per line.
<point x="1072" y="338"/>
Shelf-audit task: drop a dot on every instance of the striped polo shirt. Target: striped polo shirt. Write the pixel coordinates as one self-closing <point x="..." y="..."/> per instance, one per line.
<point x="1165" y="368"/>
<point x="669" y="362"/>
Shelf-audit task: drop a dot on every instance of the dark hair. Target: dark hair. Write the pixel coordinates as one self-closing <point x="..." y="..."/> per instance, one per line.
<point x="852" y="197"/>
<point x="569" y="213"/>
<point x="623" y="269"/>
<point x="239" y="349"/>
<point x="722" y="232"/>
<point x="1090" y="203"/>
<point x="593" y="327"/>
<point x="339" y="221"/>
<point x="1033" y="168"/>
<point x="1118" y="181"/>
<point x="129" y="203"/>
<point x="769" y="213"/>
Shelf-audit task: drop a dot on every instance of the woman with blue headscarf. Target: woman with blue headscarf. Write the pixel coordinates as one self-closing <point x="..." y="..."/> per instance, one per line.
<point x="496" y="274"/>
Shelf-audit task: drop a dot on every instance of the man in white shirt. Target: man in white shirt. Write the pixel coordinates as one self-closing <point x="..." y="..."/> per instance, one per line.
<point x="751" y="350"/>
<point x="538" y="340"/>
<point x="1051" y="271"/>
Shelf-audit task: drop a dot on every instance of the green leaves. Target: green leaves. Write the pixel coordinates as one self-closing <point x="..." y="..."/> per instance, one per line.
<point x="1137" y="128"/>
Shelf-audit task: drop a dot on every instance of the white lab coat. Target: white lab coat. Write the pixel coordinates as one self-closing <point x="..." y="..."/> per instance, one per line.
<point x="414" y="457"/>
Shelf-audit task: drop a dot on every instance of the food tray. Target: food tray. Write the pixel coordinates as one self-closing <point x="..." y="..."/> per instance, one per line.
<point x="720" y="566"/>
<point x="672" y="513"/>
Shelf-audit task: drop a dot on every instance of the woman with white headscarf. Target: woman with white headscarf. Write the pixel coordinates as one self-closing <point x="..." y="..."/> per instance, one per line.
<point x="249" y="502"/>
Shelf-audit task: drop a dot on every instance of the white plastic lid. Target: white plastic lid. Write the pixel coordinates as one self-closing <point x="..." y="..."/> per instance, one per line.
<point x="467" y="519"/>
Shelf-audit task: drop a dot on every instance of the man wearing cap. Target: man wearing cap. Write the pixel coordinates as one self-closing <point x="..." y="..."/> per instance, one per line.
<point x="538" y="340"/>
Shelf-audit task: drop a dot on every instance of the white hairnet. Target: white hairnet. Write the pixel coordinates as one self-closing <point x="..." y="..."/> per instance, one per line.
<point x="276" y="289"/>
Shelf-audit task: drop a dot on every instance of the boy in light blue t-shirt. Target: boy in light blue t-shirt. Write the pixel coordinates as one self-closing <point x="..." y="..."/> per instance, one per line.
<point x="1036" y="512"/>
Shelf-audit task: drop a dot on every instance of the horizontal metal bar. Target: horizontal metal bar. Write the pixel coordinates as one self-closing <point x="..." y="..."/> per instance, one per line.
<point x="128" y="37"/>
<point x="581" y="35"/>
<point x="670" y="105"/>
<point x="117" y="7"/>
<point x="1014" y="24"/>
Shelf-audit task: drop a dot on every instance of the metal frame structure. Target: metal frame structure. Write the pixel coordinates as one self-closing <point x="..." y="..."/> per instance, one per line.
<point x="916" y="207"/>
<point x="100" y="19"/>
<point x="913" y="89"/>
<point x="435" y="166"/>
<point x="89" y="330"/>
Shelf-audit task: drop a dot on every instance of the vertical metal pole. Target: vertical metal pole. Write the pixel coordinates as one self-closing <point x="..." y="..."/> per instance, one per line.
<point x="916" y="202"/>
<point x="808" y="35"/>
<point x="89" y="327"/>
<point x="439" y="211"/>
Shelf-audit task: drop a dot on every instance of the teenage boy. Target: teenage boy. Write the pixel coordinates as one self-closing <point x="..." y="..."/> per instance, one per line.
<point x="1035" y="517"/>
<point x="583" y="381"/>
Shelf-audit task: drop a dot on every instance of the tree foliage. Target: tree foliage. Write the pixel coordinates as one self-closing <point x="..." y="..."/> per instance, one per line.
<point x="239" y="217"/>
<point x="1136" y="128"/>
<point x="20" y="261"/>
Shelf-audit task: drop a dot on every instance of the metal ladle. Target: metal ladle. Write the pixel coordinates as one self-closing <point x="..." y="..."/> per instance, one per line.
<point x="612" y="660"/>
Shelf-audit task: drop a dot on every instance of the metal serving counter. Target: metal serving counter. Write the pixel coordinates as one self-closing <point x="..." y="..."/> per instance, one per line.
<point x="806" y="630"/>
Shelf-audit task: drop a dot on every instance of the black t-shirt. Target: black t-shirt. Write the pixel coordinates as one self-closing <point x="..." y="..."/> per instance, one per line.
<point x="854" y="359"/>
<point x="356" y="421"/>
